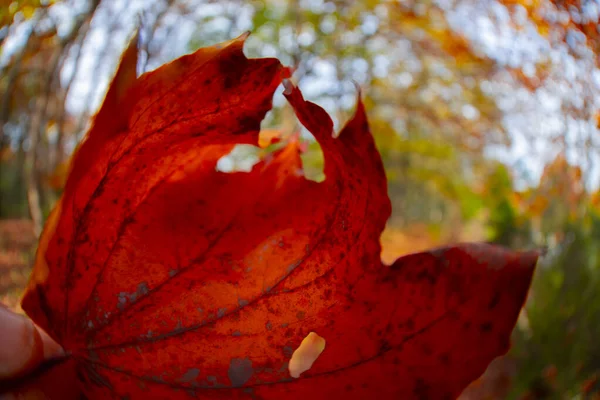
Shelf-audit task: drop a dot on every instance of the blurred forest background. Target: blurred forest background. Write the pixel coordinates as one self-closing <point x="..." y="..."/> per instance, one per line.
<point x="486" y="113"/>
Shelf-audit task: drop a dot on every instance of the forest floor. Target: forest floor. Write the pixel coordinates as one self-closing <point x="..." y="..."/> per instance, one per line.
<point x="17" y="250"/>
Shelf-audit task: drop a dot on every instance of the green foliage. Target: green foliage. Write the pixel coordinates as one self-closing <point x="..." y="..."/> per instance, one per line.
<point x="12" y="191"/>
<point x="563" y="316"/>
<point x="507" y="226"/>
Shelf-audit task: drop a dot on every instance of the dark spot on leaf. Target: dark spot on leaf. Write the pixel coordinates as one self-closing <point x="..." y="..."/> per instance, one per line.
<point x="494" y="301"/>
<point x="190" y="375"/>
<point x="444" y="359"/>
<point x="486" y="327"/>
<point x="240" y="371"/>
<point x="288" y="351"/>
<point x="421" y="390"/>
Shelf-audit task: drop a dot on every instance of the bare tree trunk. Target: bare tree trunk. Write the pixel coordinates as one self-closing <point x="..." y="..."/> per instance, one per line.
<point x="19" y="182"/>
<point x="11" y="78"/>
<point x="35" y="172"/>
<point x="31" y="176"/>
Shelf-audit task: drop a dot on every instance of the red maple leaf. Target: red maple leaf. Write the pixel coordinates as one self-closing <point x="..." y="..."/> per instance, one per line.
<point x="162" y="277"/>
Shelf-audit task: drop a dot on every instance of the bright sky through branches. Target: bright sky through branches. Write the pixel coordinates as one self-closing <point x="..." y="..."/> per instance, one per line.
<point x="531" y="119"/>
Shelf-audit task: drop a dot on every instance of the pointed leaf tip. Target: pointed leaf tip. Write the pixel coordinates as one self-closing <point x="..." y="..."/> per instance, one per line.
<point x="357" y="86"/>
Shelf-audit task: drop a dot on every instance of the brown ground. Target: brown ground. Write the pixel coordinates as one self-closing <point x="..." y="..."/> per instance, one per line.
<point x="17" y="248"/>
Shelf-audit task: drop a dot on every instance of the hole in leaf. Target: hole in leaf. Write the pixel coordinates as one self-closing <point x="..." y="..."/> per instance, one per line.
<point x="306" y="354"/>
<point x="313" y="162"/>
<point x="241" y="159"/>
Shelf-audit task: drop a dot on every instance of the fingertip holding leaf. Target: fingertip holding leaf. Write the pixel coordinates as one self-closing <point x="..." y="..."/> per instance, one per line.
<point x="23" y="345"/>
<point x="162" y="275"/>
<point x="306" y="354"/>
